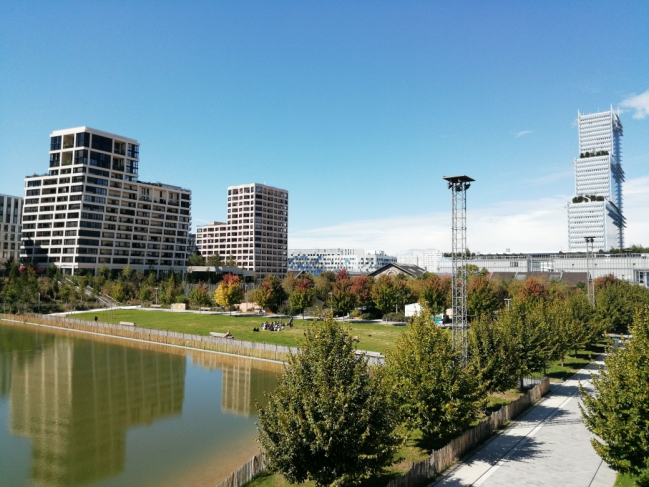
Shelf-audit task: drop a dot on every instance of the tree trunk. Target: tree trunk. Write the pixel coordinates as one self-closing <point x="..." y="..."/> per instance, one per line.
<point x="521" y="384"/>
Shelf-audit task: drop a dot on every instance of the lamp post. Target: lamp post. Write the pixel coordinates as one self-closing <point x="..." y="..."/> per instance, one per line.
<point x="508" y="300"/>
<point x="590" y="244"/>
<point x="459" y="186"/>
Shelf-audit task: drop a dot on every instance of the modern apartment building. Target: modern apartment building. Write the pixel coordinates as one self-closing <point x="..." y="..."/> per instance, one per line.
<point x="11" y="213"/>
<point x="355" y="261"/>
<point x="91" y="210"/>
<point x="596" y="210"/>
<point x="256" y="232"/>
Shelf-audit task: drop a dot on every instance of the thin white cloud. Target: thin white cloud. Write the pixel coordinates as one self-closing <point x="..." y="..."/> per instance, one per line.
<point x="638" y="103"/>
<point x="520" y="134"/>
<point x="551" y="178"/>
<point x="522" y="226"/>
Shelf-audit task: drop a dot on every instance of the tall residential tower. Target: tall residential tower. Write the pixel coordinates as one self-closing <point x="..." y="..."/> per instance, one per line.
<point x="596" y="210"/>
<point x="256" y="233"/>
<point x="91" y="210"/>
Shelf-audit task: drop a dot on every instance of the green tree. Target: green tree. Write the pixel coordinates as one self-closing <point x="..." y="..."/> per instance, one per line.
<point x="328" y="420"/>
<point x="230" y="262"/>
<point x="196" y="260"/>
<point x="434" y="292"/>
<point x="323" y="285"/>
<point x="302" y="295"/>
<point x="145" y="293"/>
<point x="270" y="294"/>
<point x="528" y="333"/>
<point x="127" y="272"/>
<point x="618" y="412"/>
<point x="433" y="389"/>
<point x="342" y="299"/>
<point x="391" y="292"/>
<point x="616" y="302"/>
<point x="483" y="298"/>
<point x="200" y="295"/>
<point x="229" y="291"/>
<point x="216" y="260"/>
<point x="492" y="351"/>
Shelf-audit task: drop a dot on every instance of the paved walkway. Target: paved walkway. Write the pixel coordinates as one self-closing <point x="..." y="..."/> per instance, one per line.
<point x="548" y="446"/>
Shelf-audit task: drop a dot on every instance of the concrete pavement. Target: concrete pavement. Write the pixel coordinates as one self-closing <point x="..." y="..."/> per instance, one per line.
<point x="548" y="446"/>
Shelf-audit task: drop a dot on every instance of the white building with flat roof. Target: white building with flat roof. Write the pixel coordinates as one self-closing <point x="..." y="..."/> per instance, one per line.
<point x="256" y="232"/>
<point x="596" y="210"/>
<point x="91" y="210"/>
<point x="357" y="261"/>
<point x="11" y="213"/>
<point x="426" y="260"/>
<point x="629" y="267"/>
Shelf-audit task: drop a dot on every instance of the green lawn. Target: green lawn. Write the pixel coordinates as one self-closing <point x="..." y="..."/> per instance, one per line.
<point x="373" y="337"/>
<point x="624" y="480"/>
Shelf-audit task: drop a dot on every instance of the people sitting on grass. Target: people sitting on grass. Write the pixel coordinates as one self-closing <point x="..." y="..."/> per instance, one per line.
<point x="228" y="335"/>
<point x="273" y="326"/>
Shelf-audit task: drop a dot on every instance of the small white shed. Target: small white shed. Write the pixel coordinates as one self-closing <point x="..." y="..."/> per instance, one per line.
<point x="412" y="309"/>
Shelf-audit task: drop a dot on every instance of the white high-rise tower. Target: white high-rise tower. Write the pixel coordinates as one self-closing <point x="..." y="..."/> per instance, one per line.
<point x="596" y="210"/>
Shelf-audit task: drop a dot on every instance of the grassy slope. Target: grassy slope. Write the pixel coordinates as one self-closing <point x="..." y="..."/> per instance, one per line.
<point x="623" y="480"/>
<point x="373" y="337"/>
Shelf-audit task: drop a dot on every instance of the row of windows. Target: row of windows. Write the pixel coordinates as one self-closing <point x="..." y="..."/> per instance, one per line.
<point x="94" y="141"/>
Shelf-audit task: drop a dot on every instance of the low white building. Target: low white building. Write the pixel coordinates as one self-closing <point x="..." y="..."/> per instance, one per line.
<point x="316" y="261"/>
<point x="426" y="260"/>
<point x="629" y="267"/>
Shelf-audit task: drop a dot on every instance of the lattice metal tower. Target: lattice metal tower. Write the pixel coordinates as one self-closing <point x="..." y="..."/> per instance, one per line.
<point x="590" y="245"/>
<point x="458" y="186"/>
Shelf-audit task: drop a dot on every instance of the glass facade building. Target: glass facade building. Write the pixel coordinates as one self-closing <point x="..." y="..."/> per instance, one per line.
<point x="597" y="208"/>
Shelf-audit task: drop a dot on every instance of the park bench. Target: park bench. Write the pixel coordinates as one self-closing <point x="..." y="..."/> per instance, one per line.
<point x="205" y="309"/>
<point x="156" y="306"/>
<point x="127" y="323"/>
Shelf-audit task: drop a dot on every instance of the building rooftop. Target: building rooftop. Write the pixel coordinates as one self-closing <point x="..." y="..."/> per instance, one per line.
<point x="94" y="131"/>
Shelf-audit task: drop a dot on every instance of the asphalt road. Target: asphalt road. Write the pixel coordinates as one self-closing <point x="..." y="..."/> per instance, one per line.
<point x="548" y="446"/>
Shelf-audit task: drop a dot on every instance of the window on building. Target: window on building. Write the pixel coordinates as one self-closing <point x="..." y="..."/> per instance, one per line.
<point x="55" y="143"/>
<point x="102" y="143"/>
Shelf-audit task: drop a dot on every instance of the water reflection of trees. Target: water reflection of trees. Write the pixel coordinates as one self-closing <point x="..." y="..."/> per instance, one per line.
<point x="76" y="399"/>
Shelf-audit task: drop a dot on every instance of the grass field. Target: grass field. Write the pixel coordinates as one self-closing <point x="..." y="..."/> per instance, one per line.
<point x="624" y="480"/>
<point x="373" y="337"/>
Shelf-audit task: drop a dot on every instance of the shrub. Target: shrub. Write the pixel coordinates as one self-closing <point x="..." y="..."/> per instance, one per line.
<point x="394" y="317"/>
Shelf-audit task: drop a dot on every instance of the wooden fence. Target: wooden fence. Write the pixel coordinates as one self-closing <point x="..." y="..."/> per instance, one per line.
<point x="247" y="472"/>
<point x="268" y="351"/>
<point x="443" y="458"/>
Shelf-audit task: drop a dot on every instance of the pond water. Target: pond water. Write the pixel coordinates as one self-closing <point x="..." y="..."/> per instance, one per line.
<point x="101" y="411"/>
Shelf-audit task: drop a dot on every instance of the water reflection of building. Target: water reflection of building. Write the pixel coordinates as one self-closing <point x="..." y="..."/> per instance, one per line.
<point x="76" y="400"/>
<point x="244" y="381"/>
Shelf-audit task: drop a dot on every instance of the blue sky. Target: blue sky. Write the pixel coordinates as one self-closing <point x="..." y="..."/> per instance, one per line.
<point x="357" y="108"/>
